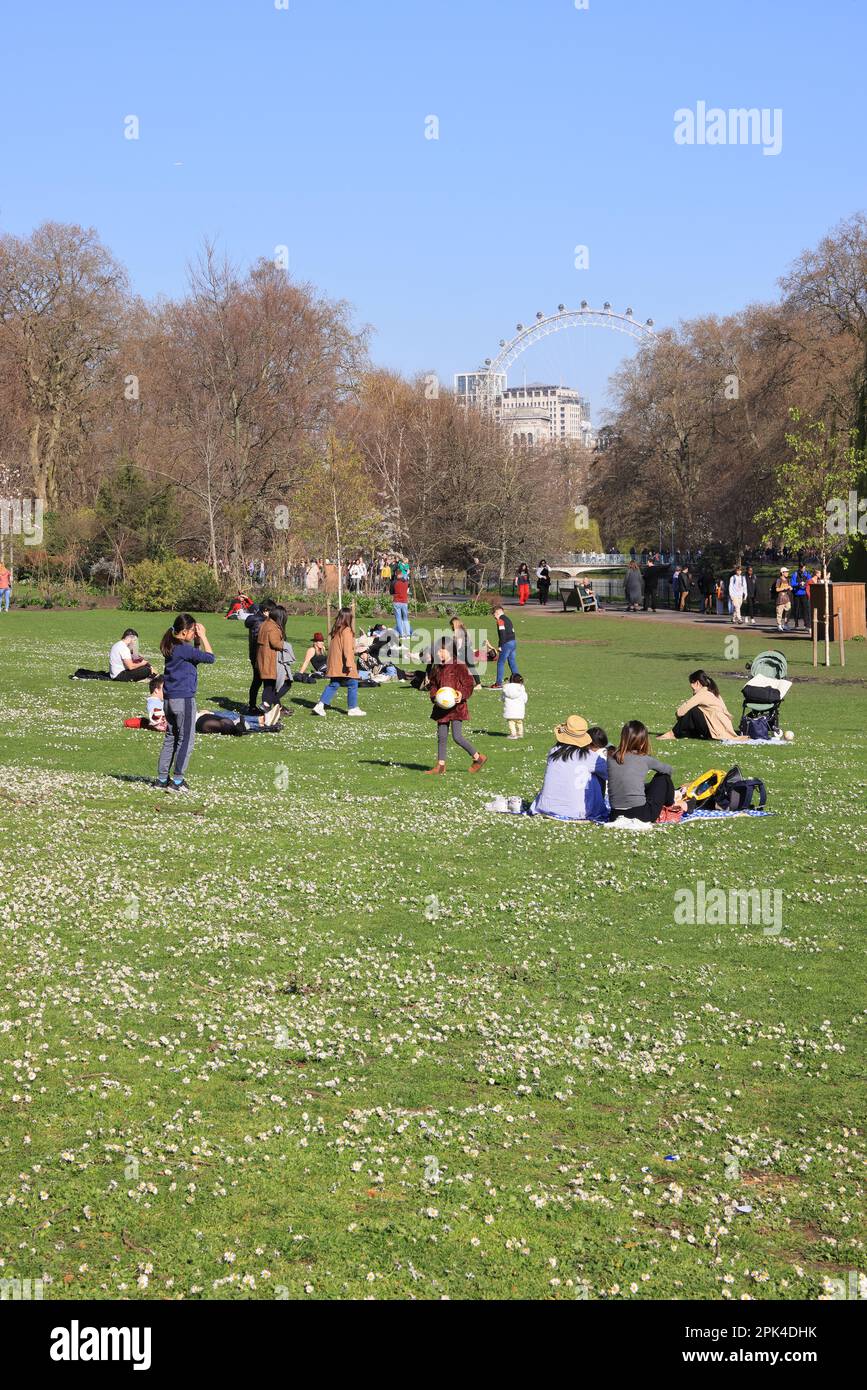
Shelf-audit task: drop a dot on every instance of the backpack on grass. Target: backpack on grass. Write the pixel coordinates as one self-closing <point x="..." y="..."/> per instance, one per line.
<point x="725" y="791"/>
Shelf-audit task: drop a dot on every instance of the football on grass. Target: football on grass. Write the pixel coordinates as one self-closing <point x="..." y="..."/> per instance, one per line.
<point x="447" y="698"/>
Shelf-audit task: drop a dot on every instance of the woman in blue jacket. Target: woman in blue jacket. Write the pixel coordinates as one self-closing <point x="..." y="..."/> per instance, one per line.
<point x="185" y="647"/>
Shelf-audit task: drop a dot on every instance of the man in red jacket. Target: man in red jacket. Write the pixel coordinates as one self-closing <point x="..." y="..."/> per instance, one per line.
<point x="400" y="601"/>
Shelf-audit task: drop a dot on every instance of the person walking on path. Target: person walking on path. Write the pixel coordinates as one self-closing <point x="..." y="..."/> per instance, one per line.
<point x="737" y="593"/>
<point x="752" y="588"/>
<point x="651" y="579"/>
<point x="522" y="583"/>
<point x="508" y="646"/>
<point x="449" y="674"/>
<point x="633" y="587"/>
<point x="685" y="589"/>
<point x="800" y="604"/>
<point x="781" y="592"/>
<point x="185" y="647"/>
<point x="341" y="668"/>
<point x="5" y="587"/>
<point x="543" y="582"/>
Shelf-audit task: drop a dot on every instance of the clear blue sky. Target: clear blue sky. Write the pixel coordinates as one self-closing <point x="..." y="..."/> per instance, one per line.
<point x="305" y="127"/>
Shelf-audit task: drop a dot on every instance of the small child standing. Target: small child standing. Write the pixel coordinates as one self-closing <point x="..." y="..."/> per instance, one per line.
<point x="514" y="705"/>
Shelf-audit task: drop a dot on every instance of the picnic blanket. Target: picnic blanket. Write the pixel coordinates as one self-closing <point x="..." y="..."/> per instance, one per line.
<point x="644" y="825"/>
<point x="758" y="742"/>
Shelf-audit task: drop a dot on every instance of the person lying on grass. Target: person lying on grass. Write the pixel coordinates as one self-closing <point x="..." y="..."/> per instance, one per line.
<point x="704" y="715"/>
<point x="575" y="774"/>
<point x="218" y="722"/>
<point x="451" y="685"/>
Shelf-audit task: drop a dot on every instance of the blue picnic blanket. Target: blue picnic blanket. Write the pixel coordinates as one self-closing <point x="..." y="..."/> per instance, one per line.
<point x="715" y="815"/>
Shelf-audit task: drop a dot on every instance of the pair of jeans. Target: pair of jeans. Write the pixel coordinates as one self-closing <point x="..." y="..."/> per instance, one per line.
<point x="180" y="738"/>
<point x="5" y="595"/>
<point x="334" y="685"/>
<point x="507" y="653"/>
<point x="401" y="619"/>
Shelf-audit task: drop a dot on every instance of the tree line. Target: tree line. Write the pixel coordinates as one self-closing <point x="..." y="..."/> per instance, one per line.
<point x="711" y="416"/>
<point x="245" y="418"/>
<point x="241" y="419"/>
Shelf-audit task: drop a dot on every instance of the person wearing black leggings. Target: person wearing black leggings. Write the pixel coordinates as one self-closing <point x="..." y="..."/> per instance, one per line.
<point x="693" y="724"/>
<point x="628" y="766"/>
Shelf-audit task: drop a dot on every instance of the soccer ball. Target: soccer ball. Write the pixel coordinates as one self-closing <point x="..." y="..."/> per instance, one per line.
<point x="446" y="697"/>
<point x="789" y="735"/>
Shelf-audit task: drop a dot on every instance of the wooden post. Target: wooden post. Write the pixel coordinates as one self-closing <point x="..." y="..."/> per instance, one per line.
<point x="815" y="636"/>
<point x="840" y="638"/>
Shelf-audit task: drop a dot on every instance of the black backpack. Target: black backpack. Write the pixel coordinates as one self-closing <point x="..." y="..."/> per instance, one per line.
<point x="736" y="792"/>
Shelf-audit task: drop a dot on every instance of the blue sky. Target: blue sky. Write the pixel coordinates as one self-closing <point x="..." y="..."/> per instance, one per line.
<point x="306" y="127"/>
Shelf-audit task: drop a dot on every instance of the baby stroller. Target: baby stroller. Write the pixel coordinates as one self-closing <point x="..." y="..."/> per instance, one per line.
<point x="763" y="694"/>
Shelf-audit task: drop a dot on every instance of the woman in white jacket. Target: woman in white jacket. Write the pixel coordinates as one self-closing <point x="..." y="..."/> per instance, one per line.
<point x="514" y="705"/>
<point x="737" y="593"/>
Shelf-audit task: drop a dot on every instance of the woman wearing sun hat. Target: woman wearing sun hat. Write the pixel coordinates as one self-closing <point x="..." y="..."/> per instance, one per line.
<point x="575" y="774"/>
<point x="781" y="592"/>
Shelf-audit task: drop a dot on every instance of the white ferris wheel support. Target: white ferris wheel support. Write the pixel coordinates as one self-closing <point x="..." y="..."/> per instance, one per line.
<point x="546" y="324"/>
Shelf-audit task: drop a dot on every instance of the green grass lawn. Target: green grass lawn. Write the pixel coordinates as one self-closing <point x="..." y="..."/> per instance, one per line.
<point x="327" y="1028"/>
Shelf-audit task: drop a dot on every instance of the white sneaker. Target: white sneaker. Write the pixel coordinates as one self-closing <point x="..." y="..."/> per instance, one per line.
<point x="318" y="708"/>
<point x="357" y="713"/>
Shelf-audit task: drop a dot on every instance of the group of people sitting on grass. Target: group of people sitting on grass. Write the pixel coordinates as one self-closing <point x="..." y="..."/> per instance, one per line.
<point x="586" y="778"/>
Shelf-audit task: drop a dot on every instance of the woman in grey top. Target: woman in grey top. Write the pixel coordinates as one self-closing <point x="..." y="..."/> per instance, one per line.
<point x="628" y="766"/>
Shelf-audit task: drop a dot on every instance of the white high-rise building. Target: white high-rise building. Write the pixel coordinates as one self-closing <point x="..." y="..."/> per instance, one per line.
<point x="532" y="414"/>
<point x="540" y="414"/>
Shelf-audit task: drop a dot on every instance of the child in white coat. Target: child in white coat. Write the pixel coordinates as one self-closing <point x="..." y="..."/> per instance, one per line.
<point x="514" y="705"/>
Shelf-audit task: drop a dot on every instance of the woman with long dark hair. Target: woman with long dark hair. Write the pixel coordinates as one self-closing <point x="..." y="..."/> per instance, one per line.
<point x="462" y="646"/>
<point x="341" y="668"/>
<point x="705" y="714"/>
<point x="628" y="766"/>
<point x="269" y="641"/>
<point x="184" y="647"/>
<point x="575" y="774"/>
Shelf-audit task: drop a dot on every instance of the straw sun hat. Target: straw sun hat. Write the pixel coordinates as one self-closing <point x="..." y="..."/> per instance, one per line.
<point x="574" y="731"/>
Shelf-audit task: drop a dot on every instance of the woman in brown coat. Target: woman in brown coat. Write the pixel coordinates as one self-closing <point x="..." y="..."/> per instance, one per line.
<point x="342" y="668"/>
<point x="269" y="641"/>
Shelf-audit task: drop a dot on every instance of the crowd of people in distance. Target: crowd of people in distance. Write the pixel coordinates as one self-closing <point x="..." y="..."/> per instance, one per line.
<point x="736" y="595"/>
